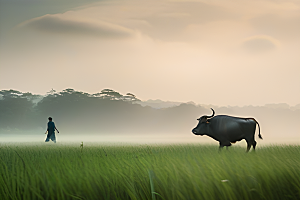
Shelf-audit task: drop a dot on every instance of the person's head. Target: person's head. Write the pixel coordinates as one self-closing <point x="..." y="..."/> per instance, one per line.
<point x="50" y="118"/>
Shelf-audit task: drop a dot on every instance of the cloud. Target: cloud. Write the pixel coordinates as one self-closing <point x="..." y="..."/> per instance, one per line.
<point x="59" y="25"/>
<point x="159" y="19"/>
<point x="259" y="44"/>
<point x="174" y="46"/>
<point x="171" y="21"/>
<point x="285" y="27"/>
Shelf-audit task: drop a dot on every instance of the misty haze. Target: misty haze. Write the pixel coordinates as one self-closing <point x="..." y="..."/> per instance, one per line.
<point x="109" y="116"/>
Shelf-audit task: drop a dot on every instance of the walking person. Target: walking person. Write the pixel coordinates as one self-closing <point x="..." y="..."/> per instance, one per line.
<point x="51" y="131"/>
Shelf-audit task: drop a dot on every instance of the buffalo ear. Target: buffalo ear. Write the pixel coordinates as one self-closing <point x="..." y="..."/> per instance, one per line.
<point x="203" y="120"/>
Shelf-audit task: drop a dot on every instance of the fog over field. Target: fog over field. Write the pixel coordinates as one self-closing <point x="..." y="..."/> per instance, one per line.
<point x="111" y="117"/>
<point x="178" y="58"/>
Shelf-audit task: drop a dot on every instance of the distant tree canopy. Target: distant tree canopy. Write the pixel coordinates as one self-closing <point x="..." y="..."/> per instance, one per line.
<point x="109" y="112"/>
<point x="15" y="108"/>
<point x="113" y="95"/>
<point x="27" y="111"/>
<point x="9" y="94"/>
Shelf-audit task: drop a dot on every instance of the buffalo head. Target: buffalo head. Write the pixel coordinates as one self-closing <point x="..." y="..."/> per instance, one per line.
<point x="201" y="128"/>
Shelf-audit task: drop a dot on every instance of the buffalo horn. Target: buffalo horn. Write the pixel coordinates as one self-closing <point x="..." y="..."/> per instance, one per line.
<point x="212" y="114"/>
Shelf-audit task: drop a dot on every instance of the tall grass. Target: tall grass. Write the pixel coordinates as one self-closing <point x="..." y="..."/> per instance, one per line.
<point x="148" y="172"/>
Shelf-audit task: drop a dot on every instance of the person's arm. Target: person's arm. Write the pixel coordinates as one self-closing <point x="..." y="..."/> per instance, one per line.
<point x="47" y="129"/>
<point x="57" y="130"/>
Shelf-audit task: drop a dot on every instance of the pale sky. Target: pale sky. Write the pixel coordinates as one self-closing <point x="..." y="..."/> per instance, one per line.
<point x="221" y="52"/>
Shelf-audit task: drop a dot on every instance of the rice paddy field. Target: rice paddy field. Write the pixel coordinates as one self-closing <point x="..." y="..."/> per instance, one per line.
<point x="181" y="171"/>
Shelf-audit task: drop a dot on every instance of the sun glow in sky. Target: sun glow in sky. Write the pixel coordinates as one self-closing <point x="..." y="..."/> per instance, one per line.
<point x="222" y="52"/>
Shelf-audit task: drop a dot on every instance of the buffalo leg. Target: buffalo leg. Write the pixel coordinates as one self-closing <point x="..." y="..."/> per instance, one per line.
<point x="220" y="147"/>
<point x="250" y="141"/>
<point x="254" y="144"/>
<point x="227" y="144"/>
<point x="248" y="146"/>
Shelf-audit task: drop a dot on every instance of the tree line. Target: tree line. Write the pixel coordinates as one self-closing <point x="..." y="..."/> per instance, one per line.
<point x="25" y="111"/>
<point x="109" y="112"/>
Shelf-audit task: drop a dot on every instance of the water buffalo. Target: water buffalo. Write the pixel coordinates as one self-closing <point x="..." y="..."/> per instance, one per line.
<point x="228" y="129"/>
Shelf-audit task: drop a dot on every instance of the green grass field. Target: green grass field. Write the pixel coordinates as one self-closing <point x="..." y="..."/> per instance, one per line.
<point x="96" y="171"/>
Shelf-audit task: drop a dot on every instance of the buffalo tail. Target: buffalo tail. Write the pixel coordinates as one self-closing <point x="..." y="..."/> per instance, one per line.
<point x="259" y="135"/>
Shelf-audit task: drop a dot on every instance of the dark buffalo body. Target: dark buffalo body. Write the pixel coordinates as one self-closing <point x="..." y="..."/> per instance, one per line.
<point x="228" y="129"/>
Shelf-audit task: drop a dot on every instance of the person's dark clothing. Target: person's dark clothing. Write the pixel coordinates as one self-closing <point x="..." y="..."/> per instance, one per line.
<point x="51" y="132"/>
<point x="51" y="127"/>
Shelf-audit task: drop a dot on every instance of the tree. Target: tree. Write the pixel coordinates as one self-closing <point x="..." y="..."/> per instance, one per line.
<point x="16" y="109"/>
<point x="130" y="97"/>
<point x="51" y="92"/>
<point x="10" y="94"/>
<point x="109" y="94"/>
